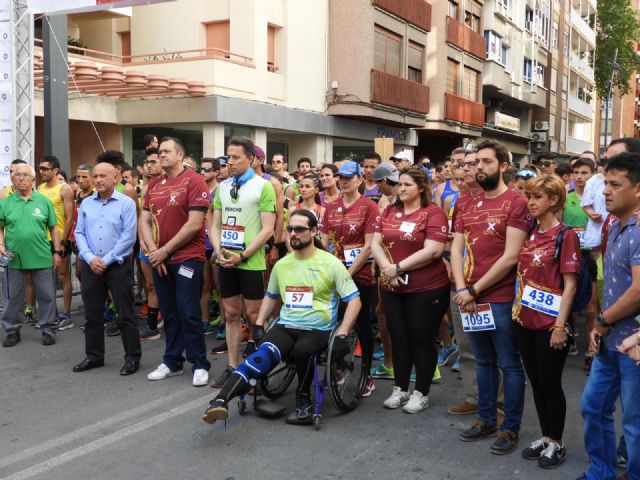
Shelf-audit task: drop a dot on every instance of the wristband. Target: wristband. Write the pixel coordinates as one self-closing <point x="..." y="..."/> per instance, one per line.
<point x="472" y="290"/>
<point x="460" y="290"/>
<point x="601" y="321"/>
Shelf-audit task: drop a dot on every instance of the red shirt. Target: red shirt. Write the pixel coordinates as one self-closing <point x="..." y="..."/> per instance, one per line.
<point x="346" y="228"/>
<point x="484" y="222"/>
<point x="404" y="234"/>
<point x="463" y="199"/>
<point x="169" y="200"/>
<point x="538" y="269"/>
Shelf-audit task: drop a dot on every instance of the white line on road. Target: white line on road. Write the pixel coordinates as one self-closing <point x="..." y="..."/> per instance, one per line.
<point x="154" y="405"/>
<point x="114" y="437"/>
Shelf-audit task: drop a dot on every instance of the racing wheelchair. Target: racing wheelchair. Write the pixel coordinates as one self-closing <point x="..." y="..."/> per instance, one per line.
<point x="343" y="378"/>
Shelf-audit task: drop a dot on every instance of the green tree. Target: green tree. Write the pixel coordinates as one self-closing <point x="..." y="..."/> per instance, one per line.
<point x="618" y="27"/>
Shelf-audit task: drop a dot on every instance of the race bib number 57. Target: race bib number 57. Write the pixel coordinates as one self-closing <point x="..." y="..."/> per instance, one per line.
<point x="480" y="321"/>
<point x="298" y="297"/>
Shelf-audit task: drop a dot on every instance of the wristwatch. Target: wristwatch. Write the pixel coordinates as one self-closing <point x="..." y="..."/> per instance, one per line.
<point x="471" y="288"/>
<point x="243" y="259"/>
<point x="601" y="321"/>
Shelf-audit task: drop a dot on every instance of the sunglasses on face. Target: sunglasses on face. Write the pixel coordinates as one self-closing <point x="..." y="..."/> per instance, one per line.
<point x="150" y="162"/>
<point x="297" y="229"/>
<point x="546" y="163"/>
<point x="206" y="169"/>
<point x="223" y="165"/>
<point x="44" y="169"/>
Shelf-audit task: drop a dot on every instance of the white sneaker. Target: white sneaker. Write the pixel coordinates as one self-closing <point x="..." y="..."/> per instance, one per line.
<point x="200" y="377"/>
<point x="417" y="402"/>
<point x="162" y="372"/>
<point x="397" y="398"/>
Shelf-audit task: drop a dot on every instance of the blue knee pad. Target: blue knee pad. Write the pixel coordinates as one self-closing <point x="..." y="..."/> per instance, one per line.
<point x="260" y="362"/>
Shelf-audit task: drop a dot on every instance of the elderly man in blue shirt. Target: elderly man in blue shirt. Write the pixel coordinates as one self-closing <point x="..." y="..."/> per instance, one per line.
<point x="613" y="373"/>
<point x="105" y="234"/>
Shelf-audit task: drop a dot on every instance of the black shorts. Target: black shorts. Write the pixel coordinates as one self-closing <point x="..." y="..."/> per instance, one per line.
<point x="66" y="248"/>
<point x="236" y="281"/>
<point x="592" y="267"/>
<point x="208" y="254"/>
<point x="136" y="248"/>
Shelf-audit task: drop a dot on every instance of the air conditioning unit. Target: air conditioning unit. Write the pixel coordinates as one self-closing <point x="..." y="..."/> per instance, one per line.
<point x="540" y="126"/>
<point x="539" y="137"/>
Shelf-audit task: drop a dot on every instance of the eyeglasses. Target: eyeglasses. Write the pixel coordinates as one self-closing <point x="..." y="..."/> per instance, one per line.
<point x="223" y="165"/>
<point x="547" y="163"/>
<point x="206" y="169"/>
<point x="277" y="162"/>
<point x="21" y="176"/>
<point x="150" y="162"/>
<point x="472" y="163"/>
<point x="44" y="169"/>
<point x="297" y="229"/>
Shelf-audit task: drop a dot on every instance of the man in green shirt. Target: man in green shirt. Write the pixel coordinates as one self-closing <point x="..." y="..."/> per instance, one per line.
<point x="244" y="214"/>
<point x="574" y="216"/>
<point x="25" y="218"/>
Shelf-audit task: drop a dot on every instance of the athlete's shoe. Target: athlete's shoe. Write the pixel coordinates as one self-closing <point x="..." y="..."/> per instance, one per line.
<point x="163" y="372"/>
<point x="417" y="402"/>
<point x="368" y="388"/>
<point x="552" y="456"/>
<point x="382" y="371"/>
<point x="436" y="376"/>
<point x="456" y="365"/>
<point x="446" y="353"/>
<point x="396" y="399"/>
<point x="147" y="333"/>
<point x="378" y="354"/>
<point x="217" y="410"/>
<point x="64" y="322"/>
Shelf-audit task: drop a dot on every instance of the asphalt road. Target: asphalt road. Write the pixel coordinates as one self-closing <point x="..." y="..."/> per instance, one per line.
<point x="56" y="424"/>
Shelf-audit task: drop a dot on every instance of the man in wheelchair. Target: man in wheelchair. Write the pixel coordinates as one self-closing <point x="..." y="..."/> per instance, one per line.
<point x="311" y="282"/>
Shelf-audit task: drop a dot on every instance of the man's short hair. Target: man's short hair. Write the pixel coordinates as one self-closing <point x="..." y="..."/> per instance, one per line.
<point x="112" y="157"/>
<point x="52" y="160"/>
<point x="178" y="143"/>
<point x="564" y="169"/>
<point x="85" y="167"/>
<point x="371" y="156"/>
<point x="134" y="171"/>
<point x="304" y="160"/>
<point x="17" y="161"/>
<point x="632" y="144"/>
<point x="501" y="152"/>
<point x="628" y="162"/>
<point x="215" y="163"/>
<point x="546" y="155"/>
<point x="509" y="175"/>
<point x="458" y="150"/>
<point x="148" y="139"/>
<point x="584" y="162"/>
<point x="247" y="145"/>
<point x="151" y="151"/>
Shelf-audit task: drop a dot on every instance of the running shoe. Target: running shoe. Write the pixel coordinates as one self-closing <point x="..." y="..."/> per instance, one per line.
<point x="216" y="320"/>
<point x="147" y="333"/>
<point x="217" y="410"/>
<point x="535" y="449"/>
<point x="221" y="335"/>
<point x="368" y="388"/>
<point x="552" y="456"/>
<point x="446" y="353"/>
<point x="382" y="371"/>
<point x="220" y="379"/>
<point x="456" y="365"/>
<point x="64" y="322"/>
<point x="28" y="316"/>
<point x="417" y="402"/>
<point x="109" y="314"/>
<point x="162" y="372"/>
<point x="207" y="329"/>
<point x="396" y="399"/>
<point x="220" y="349"/>
<point x="378" y="354"/>
<point x="436" y="376"/>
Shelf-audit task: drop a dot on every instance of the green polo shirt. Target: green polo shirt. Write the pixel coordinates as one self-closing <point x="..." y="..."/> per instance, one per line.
<point x="25" y="230"/>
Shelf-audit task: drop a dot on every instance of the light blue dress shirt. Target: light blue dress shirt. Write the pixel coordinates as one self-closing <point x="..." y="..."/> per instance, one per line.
<point x="106" y="229"/>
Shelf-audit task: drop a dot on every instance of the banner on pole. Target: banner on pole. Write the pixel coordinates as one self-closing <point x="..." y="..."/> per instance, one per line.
<point x="75" y="6"/>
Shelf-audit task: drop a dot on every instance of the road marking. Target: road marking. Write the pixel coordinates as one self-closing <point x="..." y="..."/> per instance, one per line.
<point x="114" y="437"/>
<point x="22" y="455"/>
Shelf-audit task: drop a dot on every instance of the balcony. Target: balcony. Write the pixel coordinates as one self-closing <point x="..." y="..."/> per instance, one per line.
<point x="398" y="92"/>
<point x="579" y="106"/>
<point x="576" y="146"/>
<point x="581" y="65"/>
<point x="583" y="27"/>
<point x="416" y="12"/>
<point x="463" y="110"/>
<point x="495" y="77"/>
<point x="463" y="37"/>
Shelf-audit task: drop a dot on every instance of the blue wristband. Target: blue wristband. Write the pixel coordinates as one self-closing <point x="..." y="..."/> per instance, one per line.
<point x="460" y="290"/>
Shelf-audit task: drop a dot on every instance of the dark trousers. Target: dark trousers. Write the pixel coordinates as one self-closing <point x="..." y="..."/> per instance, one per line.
<point x="179" y="298"/>
<point x="364" y="321"/>
<point x="116" y="279"/>
<point x="413" y="320"/>
<point x="300" y="346"/>
<point x="544" y="366"/>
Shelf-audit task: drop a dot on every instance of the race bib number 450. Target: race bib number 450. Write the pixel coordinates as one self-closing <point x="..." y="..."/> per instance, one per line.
<point x="232" y="237"/>
<point x="298" y="297"/>
<point x="480" y="321"/>
<point x="541" y="301"/>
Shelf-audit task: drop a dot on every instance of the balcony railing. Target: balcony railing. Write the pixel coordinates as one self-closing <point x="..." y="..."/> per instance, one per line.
<point x="398" y="92"/>
<point x="417" y="12"/>
<point x="463" y="110"/>
<point x="463" y="37"/>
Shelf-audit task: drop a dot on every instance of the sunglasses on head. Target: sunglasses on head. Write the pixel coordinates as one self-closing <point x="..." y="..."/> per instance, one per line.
<point x="525" y="174"/>
<point x="297" y="229"/>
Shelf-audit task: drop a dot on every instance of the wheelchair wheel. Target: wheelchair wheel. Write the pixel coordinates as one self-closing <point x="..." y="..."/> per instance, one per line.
<point x="346" y="377"/>
<point x="277" y="380"/>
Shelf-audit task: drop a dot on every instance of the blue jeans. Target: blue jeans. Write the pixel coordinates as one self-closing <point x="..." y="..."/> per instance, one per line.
<point x="179" y="299"/>
<point x="613" y="375"/>
<point x="496" y="350"/>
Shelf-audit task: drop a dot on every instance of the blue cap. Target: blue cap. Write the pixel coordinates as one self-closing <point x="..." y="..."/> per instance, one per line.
<point x="428" y="172"/>
<point x="350" y="169"/>
<point x="223" y="159"/>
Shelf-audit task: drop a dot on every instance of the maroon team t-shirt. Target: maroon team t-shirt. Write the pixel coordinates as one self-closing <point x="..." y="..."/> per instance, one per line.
<point x="346" y="228"/>
<point x="538" y="269"/>
<point x="169" y="201"/>
<point x="484" y="222"/>
<point x="404" y="234"/>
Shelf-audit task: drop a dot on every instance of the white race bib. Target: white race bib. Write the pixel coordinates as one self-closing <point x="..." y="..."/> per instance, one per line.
<point x="478" y="322"/>
<point x="582" y="234"/>
<point x="407" y="227"/>
<point x="351" y="252"/>
<point x="185" y="271"/>
<point x="541" y="301"/>
<point x="232" y="237"/>
<point x="298" y="297"/>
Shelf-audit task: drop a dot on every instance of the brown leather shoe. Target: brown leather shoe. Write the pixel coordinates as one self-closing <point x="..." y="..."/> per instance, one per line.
<point x="465" y="408"/>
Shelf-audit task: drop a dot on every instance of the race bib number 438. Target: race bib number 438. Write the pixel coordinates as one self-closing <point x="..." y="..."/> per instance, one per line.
<point x="480" y="321"/>
<point x="298" y="297"/>
<point x="541" y="301"/>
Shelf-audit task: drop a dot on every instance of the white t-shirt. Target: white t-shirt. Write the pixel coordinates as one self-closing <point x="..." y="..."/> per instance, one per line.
<point x="593" y="196"/>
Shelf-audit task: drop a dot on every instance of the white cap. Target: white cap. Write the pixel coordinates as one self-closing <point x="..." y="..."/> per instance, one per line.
<point x="404" y="155"/>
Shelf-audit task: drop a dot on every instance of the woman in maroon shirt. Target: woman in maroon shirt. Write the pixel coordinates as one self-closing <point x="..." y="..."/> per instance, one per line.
<point x="329" y="181"/>
<point x="408" y="245"/>
<point x="545" y="290"/>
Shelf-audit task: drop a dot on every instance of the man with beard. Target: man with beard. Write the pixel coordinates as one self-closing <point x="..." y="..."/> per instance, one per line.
<point x="311" y="283"/>
<point x="489" y="232"/>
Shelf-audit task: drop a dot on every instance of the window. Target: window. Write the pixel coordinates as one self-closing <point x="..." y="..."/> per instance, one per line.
<point x="472" y="14"/>
<point x="452" y="76"/>
<point x="539" y="78"/>
<point x="496" y="51"/>
<point x="470" y="84"/>
<point x="416" y="60"/>
<point x="528" y="19"/>
<point x="125" y="44"/>
<point x="554" y="35"/>
<point x="454" y="9"/>
<point x="386" y="55"/>
<point x="566" y="44"/>
<point x="504" y="7"/>
<point x="554" y="79"/>
<point x="218" y="38"/>
<point x="542" y="26"/>
<point x="271" y="48"/>
<point x="528" y="70"/>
